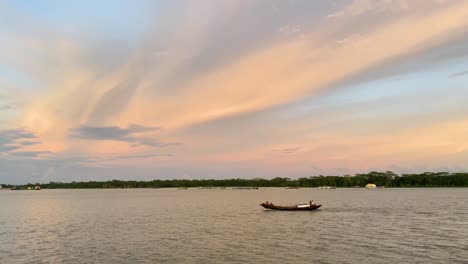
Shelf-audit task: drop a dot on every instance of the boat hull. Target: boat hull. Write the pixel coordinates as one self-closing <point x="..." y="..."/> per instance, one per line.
<point x="290" y="208"/>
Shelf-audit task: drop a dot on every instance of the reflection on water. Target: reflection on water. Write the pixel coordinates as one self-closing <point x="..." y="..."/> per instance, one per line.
<point x="229" y="226"/>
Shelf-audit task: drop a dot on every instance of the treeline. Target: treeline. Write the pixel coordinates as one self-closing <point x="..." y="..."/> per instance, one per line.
<point x="385" y="179"/>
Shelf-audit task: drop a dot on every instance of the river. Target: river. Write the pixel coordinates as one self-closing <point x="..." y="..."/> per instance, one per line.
<point x="229" y="226"/>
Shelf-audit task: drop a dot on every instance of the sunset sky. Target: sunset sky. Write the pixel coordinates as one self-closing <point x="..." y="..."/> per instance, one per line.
<point x="140" y="90"/>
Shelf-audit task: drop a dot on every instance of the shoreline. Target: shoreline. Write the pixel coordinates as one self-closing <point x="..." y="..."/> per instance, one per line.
<point x="377" y="179"/>
<point x="235" y="188"/>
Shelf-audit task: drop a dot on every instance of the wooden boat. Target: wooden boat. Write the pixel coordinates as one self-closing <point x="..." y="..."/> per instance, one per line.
<point x="297" y="207"/>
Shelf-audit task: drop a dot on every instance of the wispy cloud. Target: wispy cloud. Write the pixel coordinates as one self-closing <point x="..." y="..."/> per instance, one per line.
<point x="110" y="132"/>
<point x="381" y="7"/>
<point x="138" y="156"/>
<point x="458" y="74"/>
<point x="134" y="134"/>
<point x="8" y="147"/>
<point x="5" y="107"/>
<point x="290" y="150"/>
<point x="15" y="134"/>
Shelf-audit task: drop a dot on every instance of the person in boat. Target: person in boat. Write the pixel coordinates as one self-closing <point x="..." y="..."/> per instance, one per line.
<point x="311" y="203"/>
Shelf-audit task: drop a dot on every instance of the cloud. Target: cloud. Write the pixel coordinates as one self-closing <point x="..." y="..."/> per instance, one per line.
<point x="13" y="139"/>
<point x="134" y="134"/>
<point x="290" y="150"/>
<point x="458" y="74"/>
<point x="234" y="81"/>
<point x="247" y="73"/>
<point x="28" y="142"/>
<point x="155" y="143"/>
<point x="113" y="102"/>
<point x="138" y="156"/>
<point x="7" y="148"/>
<point x="5" y="107"/>
<point x="109" y="132"/>
<point x="15" y="134"/>
<point x="142" y="155"/>
<point x="381" y="7"/>
<point x="31" y="154"/>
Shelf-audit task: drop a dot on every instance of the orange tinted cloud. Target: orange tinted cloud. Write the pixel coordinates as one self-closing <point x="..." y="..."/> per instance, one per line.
<point x="163" y="80"/>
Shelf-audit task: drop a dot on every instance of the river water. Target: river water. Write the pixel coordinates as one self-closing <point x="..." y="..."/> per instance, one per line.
<point x="229" y="226"/>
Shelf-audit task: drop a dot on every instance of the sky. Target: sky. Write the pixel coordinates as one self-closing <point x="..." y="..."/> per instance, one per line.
<point x="190" y="89"/>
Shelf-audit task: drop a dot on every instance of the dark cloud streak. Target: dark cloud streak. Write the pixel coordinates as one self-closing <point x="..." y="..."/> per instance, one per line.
<point x="30" y="154"/>
<point x="5" y="107"/>
<point x="113" y="102"/>
<point x="13" y="139"/>
<point x="458" y="74"/>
